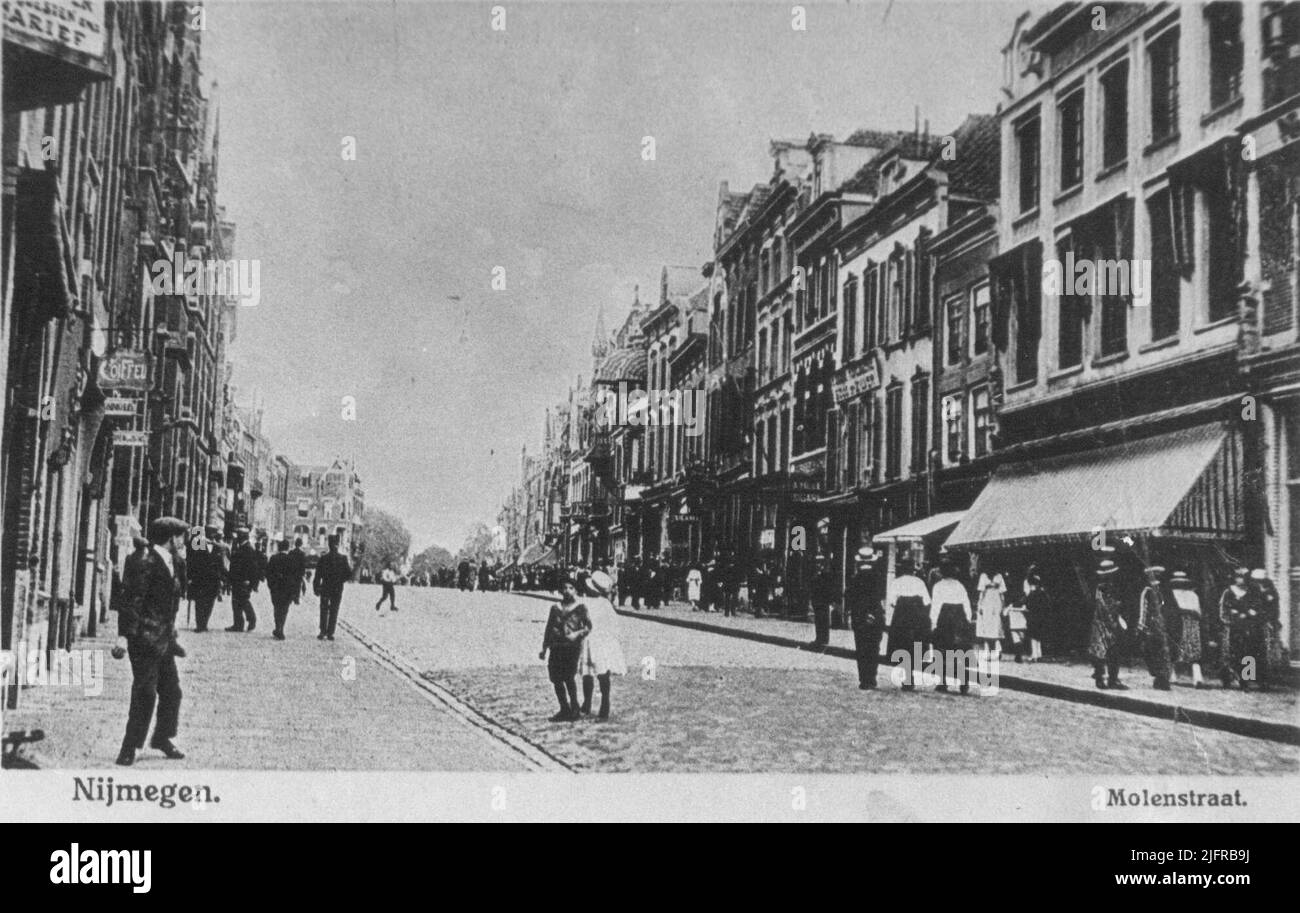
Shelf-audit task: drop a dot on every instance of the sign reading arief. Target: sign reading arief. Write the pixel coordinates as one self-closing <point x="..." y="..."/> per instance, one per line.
<point x="56" y="25"/>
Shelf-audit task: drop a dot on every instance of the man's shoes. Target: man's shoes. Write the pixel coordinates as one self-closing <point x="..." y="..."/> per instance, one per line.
<point x="126" y="757"/>
<point x="235" y="630"/>
<point x="200" y="630"/>
<point x="866" y="686"/>
<point x="943" y="688"/>
<point x="278" y="635"/>
<point x="251" y="625"/>
<point x="329" y="636"/>
<point x="394" y="608"/>
<point x="166" y="747"/>
<point x="177" y="650"/>
<point x="909" y="687"/>
<point x="1161" y="685"/>
<point x="320" y="636"/>
<point x="1101" y="684"/>
<point x="586" y="710"/>
<point x="564" y="716"/>
<point x="603" y="715"/>
<point x="1117" y="686"/>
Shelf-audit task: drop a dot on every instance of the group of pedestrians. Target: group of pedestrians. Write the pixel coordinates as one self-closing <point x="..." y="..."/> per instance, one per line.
<point x="1170" y="624"/>
<point x="581" y="640"/>
<point x="174" y="563"/>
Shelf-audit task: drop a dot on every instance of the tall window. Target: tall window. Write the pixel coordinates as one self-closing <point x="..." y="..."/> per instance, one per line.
<point x="1166" y="266"/>
<point x="764" y="369"/>
<point x="778" y="244"/>
<point x="1069" y="339"/>
<point x="870" y="435"/>
<point x="1114" y="113"/>
<point x="1027" y="150"/>
<point x="850" y="321"/>
<point x="1027" y="293"/>
<point x="920" y="422"/>
<point x="870" y="319"/>
<point x="895" y="299"/>
<point x="953" y="428"/>
<point x="980" y="313"/>
<point x="979" y="400"/>
<point x="787" y="334"/>
<point x="1070" y="117"/>
<point x="894" y="431"/>
<point x="956" y="329"/>
<point x="760" y="449"/>
<point x="1162" y="56"/>
<point x="1223" y="21"/>
<point x="774" y="356"/>
<point x="772" y="443"/>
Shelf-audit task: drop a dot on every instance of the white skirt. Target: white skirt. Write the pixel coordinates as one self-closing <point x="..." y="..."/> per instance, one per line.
<point x="601" y="655"/>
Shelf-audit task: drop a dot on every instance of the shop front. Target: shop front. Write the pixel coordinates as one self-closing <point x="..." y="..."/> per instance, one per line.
<point x="1173" y="499"/>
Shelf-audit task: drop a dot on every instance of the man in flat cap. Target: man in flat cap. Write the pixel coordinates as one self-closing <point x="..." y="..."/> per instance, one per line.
<point x="147" y="620"/>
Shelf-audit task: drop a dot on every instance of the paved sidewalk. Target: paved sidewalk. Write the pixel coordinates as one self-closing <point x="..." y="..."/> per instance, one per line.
<point x="1273" y="715"/>
<point x="253" y="702"/>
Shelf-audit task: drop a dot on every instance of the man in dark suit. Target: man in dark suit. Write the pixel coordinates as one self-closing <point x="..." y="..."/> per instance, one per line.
<point x="204" y="571"/>
<point x="331" y="573"/>
<point x="147" y="620"/>
<point x="865" y="604"/>
<point x="245" y="576"/>
<point x="284" y="582"/>
<point x="299" y="558"/>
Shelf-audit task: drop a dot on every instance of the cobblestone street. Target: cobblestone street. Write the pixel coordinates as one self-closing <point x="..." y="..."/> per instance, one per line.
<point x="718" y="703"/>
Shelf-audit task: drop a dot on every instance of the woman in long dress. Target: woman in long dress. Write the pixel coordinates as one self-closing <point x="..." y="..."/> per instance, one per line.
<point x="992" y="590"/>
<point x="602" y="655"/>
<point x="1189" y="630"/>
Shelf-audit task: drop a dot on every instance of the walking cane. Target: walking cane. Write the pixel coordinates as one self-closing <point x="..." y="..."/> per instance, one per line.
<point x="189" y="604"/>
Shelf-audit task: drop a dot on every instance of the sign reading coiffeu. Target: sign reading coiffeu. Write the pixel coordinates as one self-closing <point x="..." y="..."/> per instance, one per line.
<point x="124" y="369"/>
<point x="54" y="25"/>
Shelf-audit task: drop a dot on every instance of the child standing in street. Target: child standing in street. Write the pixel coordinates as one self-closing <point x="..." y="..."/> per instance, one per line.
<point x="566" y="627"/>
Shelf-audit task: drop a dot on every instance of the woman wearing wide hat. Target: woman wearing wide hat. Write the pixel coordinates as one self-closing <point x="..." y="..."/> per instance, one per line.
<point x="601" y="655"/>
<point x="1188" y="601"/>
<point x="1107" y="627"/>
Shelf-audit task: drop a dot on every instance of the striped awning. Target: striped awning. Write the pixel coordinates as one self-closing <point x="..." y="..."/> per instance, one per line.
<point x="1185" y="483"/>
<point x="539" y="555"/>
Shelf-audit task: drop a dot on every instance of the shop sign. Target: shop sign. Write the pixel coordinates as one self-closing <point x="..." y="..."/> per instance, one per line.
<point x="120" y="406"/>
<point x="68" y="29"/>
<point x="125" y="369"/>
<point x="130" y="438"/>
<point x="856" y="381"/>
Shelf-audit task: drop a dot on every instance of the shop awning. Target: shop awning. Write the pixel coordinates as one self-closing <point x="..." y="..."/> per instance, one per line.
<point x="539" y="555"/>
<point x="921" y="529"/>
<point x="1184" y="483"/>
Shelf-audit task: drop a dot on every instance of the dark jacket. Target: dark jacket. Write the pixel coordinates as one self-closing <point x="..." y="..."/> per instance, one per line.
<point x="862" y="598"/>
<point x="281" y="580"/>
<point x="204" y="570"/>
<point x="245" y="567"/>
<point x="299" y="559"/>
<point x="332" y="572"/>
<point x="148" y="613"/>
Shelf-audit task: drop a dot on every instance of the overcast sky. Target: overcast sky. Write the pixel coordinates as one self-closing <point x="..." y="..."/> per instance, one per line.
<point x="520" y="149"/>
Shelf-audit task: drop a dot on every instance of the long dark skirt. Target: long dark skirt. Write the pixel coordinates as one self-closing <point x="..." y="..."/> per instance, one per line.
<point x="952" y="631"/>
<point x="910" y="626"/>
<point x="562" y="662"/>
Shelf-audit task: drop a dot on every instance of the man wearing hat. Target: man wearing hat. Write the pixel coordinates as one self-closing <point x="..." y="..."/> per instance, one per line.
<point x="147" y="620"/>
<point x="1107" y="627"/>
<point x="245" y="575"/>
<point x="866" y="614"/>
<point x="284" y="584"/>
<point x="204" y="571"/>
<point x="822" y="593"/>
<point x="1152" y="629"/>
<point x="332" y="572"/>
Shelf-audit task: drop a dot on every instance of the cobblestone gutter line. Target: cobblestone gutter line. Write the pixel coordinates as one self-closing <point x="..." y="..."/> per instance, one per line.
<point x="536" y="757"/>
<point x="1286" y="733"/>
